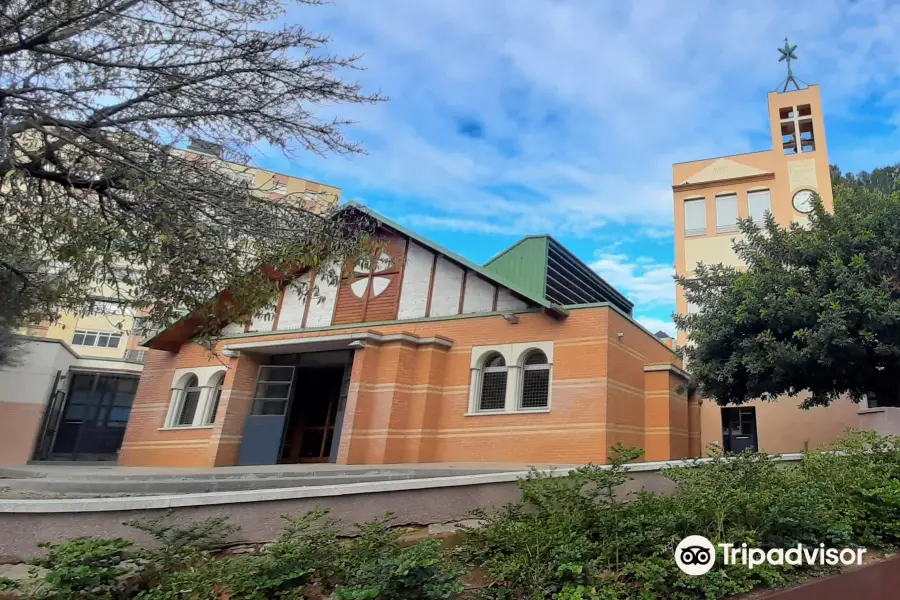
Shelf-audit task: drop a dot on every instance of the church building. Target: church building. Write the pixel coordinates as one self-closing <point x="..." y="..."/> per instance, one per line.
<point x="416" y="356"/>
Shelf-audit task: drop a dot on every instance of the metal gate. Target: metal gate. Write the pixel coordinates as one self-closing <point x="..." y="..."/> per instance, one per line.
<point x="92" y="423"/>
<point x="52" y="415"/>
<point x="264" y="426"/>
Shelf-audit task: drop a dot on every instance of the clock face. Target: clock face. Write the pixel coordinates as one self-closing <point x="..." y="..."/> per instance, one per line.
<point x="803" y="201"/>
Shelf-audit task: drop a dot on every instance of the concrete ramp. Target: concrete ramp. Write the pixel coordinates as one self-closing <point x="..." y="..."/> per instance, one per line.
<point x="66" y="481"/>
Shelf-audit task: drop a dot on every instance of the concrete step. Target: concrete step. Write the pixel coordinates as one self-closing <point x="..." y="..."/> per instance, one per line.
<point x="186" y="485"/>
<point x="76" y="475"/>
<point x="221" y="473"/>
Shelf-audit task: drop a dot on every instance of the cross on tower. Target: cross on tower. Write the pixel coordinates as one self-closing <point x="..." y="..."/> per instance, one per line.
<point x="787" y="55"/>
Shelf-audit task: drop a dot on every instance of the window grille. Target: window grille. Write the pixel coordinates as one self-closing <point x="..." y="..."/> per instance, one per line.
<point x="535" y="381"/>
<point x="493" y="384"/>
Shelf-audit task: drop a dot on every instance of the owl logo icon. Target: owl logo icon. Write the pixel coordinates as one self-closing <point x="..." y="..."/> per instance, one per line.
<point x="695" y="555"/>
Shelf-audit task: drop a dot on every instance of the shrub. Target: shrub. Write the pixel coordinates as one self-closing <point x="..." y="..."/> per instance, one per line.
<point x="85" y="568"/>
<point x="573" y="537"/>
<point x="566" y="532"/>
<point x="570" y="537"/>
<point x="245" y="577"/>
<point x="376" y="565"/>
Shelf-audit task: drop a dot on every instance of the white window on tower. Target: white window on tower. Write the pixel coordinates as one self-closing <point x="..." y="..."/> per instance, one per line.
<point x="759" y="202"/>
<point x="695" y="216"/>
<point x="726" y="213"/>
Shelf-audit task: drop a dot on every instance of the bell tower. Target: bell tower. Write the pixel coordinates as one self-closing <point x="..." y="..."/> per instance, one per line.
<point x="798" y="145"/>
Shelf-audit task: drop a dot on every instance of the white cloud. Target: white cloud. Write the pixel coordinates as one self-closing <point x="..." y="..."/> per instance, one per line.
<point x="654" y="324"/>
<point x="644" y="281"/>
<point x="656" y="233"/>
<point x="518" y="227"/>
<point x="576" y="111"/>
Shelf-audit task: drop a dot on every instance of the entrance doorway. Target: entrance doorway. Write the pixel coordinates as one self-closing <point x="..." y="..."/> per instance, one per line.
<point x="739" y="429"/>
<point x="298" y="409"/>
<point x="309" y="431"/>
<point x="91" y="423"/>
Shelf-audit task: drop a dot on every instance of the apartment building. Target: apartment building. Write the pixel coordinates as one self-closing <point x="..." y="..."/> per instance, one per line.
<point x="71" y="397"/>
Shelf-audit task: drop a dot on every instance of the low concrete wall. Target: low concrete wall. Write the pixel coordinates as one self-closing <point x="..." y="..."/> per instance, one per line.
<point x="25" y="523"/>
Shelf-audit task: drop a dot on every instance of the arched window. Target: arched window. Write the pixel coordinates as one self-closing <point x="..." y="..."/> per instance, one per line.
<point x="216" y="396"/>
<point x="493" y="384"/>
<point x="535" y="381"/>
<point x="190" y="398"/>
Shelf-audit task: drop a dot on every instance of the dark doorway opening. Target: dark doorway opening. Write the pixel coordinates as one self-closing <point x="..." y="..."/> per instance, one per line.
<point x="298" y="409"/>
<point x="92" y="423"/>
<point x="309" y="431"/>
<point x="739" y="429"/>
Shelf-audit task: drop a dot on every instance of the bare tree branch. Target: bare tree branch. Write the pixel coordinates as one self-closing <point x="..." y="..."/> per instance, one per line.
<point x="96" y="97"/>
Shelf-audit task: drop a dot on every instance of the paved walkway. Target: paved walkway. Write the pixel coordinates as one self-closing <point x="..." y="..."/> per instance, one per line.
<point x="48" y="480"/>
<point x="91" y="469"/>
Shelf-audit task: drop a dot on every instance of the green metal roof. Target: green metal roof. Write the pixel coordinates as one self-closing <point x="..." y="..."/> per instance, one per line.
<point x="525" y="262"/>
<point x="544" y="267"/>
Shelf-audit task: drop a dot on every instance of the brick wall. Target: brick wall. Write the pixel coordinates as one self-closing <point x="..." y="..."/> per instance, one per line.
<point x="234" y="406"/>
<point x="408" y="402"/>
<point x="145" y="443"/>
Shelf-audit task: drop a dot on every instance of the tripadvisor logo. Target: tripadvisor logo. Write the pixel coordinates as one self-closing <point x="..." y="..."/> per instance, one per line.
<point x="696" y="555"/>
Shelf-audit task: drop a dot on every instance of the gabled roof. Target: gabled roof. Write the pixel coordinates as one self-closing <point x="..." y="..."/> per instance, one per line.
<point x="497" y="278"/>
<point x="544" y="267"/>
<point x="187" y="325"/>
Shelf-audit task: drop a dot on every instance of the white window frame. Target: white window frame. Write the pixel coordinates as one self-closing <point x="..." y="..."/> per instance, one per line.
<point x="106" y="307"/>
<point x="244" y="176"/>
<point x="109" y="335"/>
<point x="692" y="231"/>
<point x="185" y="390"/>
<point x="514" y="355"/>
<point x="692" y="308"/>
<point x="755" y="194"/>
<point x="727" y="227"/>
<point x="482" y="371"/>
<point x="208" y="380"/>
<point x="215" y="400"/>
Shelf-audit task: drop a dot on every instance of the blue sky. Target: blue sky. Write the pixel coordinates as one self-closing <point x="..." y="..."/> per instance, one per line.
<point x="512" y="117"/>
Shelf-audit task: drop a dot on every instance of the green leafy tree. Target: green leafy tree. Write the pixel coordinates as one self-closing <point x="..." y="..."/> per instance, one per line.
<point x="883" y="180"/>
<point x="96" y="98"/>
<point x="817" y="308"/>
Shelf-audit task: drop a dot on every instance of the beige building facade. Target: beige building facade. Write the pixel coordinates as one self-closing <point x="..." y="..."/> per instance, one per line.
<point x="710" y="195"/>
